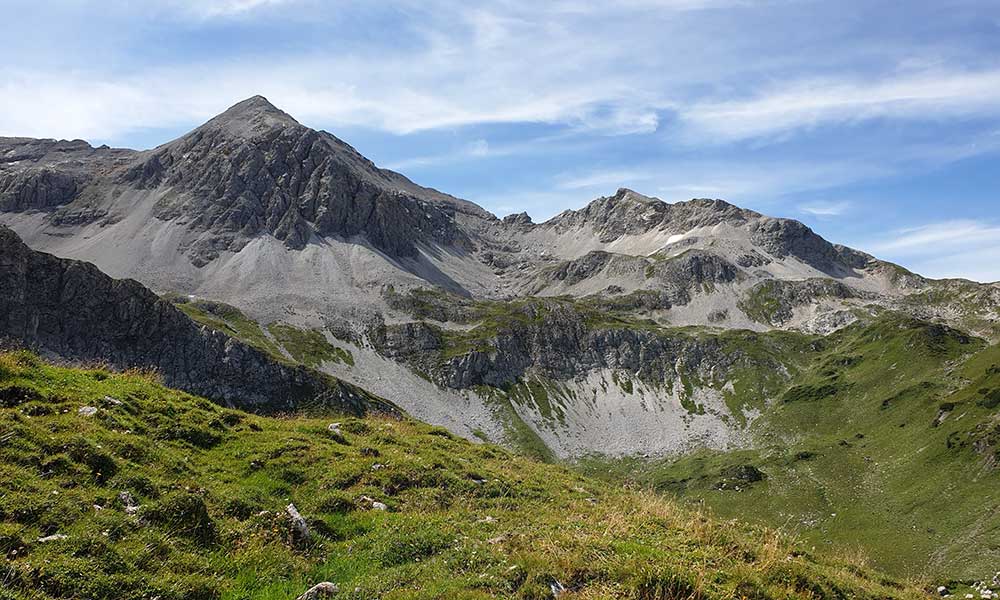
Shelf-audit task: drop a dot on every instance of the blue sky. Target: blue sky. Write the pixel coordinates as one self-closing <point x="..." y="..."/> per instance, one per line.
<point x="876" y="123"/>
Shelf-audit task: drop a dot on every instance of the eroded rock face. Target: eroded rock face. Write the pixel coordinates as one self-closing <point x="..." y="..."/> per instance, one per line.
<point x="784" y="237"/>
<point x="37" y="189"/>
<point x="44" y="174"/>
<point x="254" y="169"/>
<point x="557" y="342"/>
<point x="71" y="309"/>
<point x="782" y="297"/>
<point x="631" y="213"/>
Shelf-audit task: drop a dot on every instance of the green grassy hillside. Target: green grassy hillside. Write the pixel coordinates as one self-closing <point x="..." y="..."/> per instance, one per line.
<point x="889" y="442"/>
<point x="112" y="486"/>
<point x="283" y="342"/>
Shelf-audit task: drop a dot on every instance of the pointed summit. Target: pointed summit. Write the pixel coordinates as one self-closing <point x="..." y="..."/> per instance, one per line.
<point x="253" y="105"/>
<point x="252" y="115"/>
<point x="624" y="193"/>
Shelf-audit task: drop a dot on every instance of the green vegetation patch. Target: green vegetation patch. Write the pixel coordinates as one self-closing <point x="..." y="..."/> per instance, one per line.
<point x="762" y="304"/>
<point x="811" y="392"/>
<point x="227" y="319"/>
<point x="881" y="439"/>
<point x="308" y="346"/>
<point x="101" y="499"/>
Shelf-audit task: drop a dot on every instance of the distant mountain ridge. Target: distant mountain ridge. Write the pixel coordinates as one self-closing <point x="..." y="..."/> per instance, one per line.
<point x="293" y="225"/>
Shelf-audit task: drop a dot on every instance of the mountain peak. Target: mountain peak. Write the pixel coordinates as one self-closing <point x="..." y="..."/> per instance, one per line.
<point x="630" y="194"/>
<point x="253" y="114"/>
<point x="253" y="105"/>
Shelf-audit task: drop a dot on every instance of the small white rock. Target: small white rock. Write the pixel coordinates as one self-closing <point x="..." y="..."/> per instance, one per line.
<point x="320" y="590"/>
<point x="379" y="506"/>
<point x="300" y="528"/>
<point x="86" y="411"/>
<point x="53" y="538"/>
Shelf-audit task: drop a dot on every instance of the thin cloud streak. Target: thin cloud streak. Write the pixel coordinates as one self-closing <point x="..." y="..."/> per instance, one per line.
<point x="469" y="68"/>
<point x="807" y="104"/>
<point x="603" y="180"/>
<point x="210" y="9"/>
<point x="957" y="248"/>
<point x="933" y="237"/>
<point x="825" y="209"/>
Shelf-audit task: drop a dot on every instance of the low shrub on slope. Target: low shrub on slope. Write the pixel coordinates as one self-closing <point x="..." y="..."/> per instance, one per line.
<point x="112" y="486"/>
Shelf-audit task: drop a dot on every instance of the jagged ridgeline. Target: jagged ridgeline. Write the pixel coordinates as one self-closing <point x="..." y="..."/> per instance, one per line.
<point x="703" y="348"/>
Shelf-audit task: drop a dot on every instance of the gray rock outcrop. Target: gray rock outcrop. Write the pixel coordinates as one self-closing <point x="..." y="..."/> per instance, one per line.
<point x="254" y="169"/>
<point x="559" y="342"/>
<point x="73" y="310"/>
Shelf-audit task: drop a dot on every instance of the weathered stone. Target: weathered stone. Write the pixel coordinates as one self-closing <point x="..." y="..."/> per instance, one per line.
<point x="300" y="533"/>
<point x="554" y="340"/>
<point x="254" y="169"/>
<point x="320" y="590"/>
<point x="71" y="309"/>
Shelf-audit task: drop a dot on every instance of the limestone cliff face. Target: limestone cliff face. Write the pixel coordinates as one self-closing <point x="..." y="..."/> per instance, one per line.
<point x="73" y="310"/>
<point x="39" y="189"/>
<point x="560" y="342"/>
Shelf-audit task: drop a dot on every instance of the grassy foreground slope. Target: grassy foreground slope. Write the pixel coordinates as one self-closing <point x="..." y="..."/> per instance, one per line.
<point x="112" y="486"/>
<point x="889" y="442"/>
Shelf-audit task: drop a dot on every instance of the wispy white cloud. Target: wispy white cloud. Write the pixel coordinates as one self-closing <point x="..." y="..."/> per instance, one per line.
<point x="963" y="248"/>
<point x="825" y="209"/>
<point x="479" y="147"/>
<point x="605" y="68"/>
<point x="692" y="189"/>
<point x="934" y="238"/>
<point x="980" y="264"/>
<point x="760" y="182"/>
<point x="475" y="150"/>
<point x="208" y="9"/>
<point x="926" y="95"/>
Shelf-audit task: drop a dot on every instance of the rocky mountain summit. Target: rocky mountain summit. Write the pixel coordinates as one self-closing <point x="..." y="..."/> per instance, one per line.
<point x="628" y="213"/>
<point x="255" y="170"/>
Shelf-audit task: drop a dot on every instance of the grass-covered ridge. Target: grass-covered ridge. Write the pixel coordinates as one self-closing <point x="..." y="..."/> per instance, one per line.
<point x="227" y="319"/>
<point x="281" y="341"/>
<point x="889" y="440"/>
<point x="112" y="486"/>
